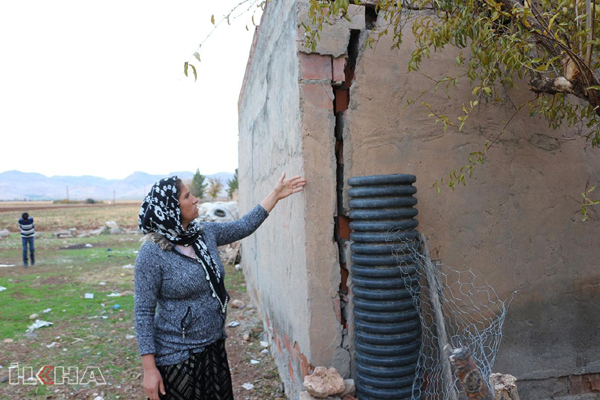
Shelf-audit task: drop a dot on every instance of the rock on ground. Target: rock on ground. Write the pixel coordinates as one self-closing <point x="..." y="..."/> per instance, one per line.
<point x="237" y="304"/>
<point x="324" y="382"/>
<point x="505" y="387"/>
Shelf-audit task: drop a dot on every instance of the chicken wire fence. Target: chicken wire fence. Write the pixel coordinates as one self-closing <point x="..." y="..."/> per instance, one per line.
<point x="472" y="315"/>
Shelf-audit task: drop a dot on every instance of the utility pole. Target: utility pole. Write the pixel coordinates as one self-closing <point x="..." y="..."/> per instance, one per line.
<point x="114" y="197"/>
<point x="67" y="194"/>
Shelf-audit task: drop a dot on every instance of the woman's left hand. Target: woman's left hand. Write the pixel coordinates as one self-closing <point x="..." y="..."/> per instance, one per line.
<point x="285" y="188"/>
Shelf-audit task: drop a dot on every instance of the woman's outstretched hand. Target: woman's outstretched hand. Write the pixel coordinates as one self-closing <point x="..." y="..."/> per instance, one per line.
<point x="283" y="189"/>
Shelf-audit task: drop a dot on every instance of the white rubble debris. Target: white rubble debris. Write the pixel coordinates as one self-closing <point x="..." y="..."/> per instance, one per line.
<point x="38" y="324"/>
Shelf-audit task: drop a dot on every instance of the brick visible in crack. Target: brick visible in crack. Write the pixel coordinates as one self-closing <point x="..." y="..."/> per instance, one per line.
<point x="343" y="227"/>
<point x="291" y="370"/>
<point x="278" y="341"/>
<point x="288" y="344"/>
<point x="338" y="67"/>
<point x="315" y="67"/>
<point x="582" y="384"/>
<point x="342" y="99"/>
<point x="342" y="222"/>
<point x="306" y="368"/>
<point x="318" y="94"/>
<point x="344" y="284"/>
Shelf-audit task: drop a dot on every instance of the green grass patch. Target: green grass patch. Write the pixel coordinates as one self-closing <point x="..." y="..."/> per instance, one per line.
<point x="234" y="280"/>
<point x="62" y="276"/>
<point x="84" y="332"/>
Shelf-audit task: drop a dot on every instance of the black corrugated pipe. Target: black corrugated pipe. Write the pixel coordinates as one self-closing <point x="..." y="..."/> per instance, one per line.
<point x="386" y="322"/>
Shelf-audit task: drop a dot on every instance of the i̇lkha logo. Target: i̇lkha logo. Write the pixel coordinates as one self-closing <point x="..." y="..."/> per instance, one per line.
<point x="50" y="375"/>
<point x="44" y="375"/>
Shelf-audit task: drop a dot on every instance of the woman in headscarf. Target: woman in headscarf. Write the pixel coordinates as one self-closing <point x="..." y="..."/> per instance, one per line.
<point x="180" y="296"/>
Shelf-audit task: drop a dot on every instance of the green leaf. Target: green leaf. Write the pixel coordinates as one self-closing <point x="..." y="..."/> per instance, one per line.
<point x="552" y="20"/>
<point x="185" y="68"/>
<point x="212" y="19"/>
<point x="197" y="56"/>
<point x="195" y="73"/>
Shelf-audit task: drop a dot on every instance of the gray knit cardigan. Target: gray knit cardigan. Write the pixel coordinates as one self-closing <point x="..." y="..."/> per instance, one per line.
<point x="175" y="311"/>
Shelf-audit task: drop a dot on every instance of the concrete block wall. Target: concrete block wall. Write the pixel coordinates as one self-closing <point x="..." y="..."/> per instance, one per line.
<point x="340" y="112"/>
<point x="514" y="224"/>
<point x="274" y="258"/>
<point x="286" y="123"/>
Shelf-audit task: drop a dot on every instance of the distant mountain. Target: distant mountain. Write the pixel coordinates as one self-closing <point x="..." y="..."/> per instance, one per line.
<point x="17" y="185"/>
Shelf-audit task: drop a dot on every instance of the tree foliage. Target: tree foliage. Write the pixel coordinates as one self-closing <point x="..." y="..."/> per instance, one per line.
<point x="232" y="184"/>
<point x="553" y="45"/>
<point x="214" y="187"/>
<point x="197" y="185"/>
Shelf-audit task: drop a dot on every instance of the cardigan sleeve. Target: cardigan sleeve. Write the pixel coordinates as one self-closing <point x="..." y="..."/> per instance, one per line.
<point x="147" y="283"/>
<point x="229" y="232"/>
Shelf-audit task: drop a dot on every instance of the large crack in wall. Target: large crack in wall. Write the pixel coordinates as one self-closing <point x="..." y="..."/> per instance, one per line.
<point x="341" y="90"/>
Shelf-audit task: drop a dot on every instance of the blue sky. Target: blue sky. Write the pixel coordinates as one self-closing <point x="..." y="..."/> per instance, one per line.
<point x="97" y="87"/>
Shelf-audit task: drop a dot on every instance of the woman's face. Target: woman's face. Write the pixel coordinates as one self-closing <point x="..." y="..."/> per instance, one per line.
<point x="188" y="205"/>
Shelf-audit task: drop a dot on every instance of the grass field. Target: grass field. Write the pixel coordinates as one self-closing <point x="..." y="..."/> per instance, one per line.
<point x="97" y="332"/>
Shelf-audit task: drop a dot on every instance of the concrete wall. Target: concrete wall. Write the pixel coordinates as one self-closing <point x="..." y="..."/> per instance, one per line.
<point x="514" y="224"/>
<point x="290" y="263"/>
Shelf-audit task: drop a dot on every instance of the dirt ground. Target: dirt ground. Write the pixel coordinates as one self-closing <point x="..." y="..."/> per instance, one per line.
<point x="241" y="352"/>
<point x="253" y="372"/>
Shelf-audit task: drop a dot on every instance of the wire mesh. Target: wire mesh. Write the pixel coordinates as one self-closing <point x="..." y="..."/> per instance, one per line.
<point x="472" y="315"/>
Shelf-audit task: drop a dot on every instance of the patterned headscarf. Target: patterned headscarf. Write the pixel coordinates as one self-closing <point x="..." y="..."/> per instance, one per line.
<point x="161" y="213"/>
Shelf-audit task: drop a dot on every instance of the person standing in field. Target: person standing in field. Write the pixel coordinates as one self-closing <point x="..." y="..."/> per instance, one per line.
<point x="27" y="233"/>
<point x="180" y="296"/>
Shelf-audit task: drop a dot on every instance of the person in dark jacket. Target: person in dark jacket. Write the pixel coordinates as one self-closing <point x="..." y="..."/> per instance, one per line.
<point x="27" y="234"/>
<point x="180" y="296"/>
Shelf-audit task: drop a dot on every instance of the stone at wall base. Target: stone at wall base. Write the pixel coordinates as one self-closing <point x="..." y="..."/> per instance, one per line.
<point x="505" y="387"/>
<point x="324" y="382"/>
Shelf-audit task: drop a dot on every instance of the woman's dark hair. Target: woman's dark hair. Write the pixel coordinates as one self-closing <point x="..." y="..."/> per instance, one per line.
<point x="178" y="186"/>
<point x="25" y="216"/>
